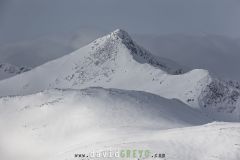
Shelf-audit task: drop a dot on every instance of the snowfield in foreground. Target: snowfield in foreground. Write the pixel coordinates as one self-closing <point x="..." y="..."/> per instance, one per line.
<point x="213" y="141"/>
<point x="56" y="124"/>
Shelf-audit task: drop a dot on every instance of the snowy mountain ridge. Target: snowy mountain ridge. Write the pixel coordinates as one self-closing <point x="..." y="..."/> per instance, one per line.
<point x="116" y="61"/>
<point x="139" y="54"/>
<point x="8" y="70"/>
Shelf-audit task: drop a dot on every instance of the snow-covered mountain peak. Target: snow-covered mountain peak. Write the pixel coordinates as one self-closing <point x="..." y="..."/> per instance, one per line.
<point x="109" y="61"/>
<point x="119" y="33"/>
<point x="115" y="42"/>
<point x="117" y="36"/>
<point x="116" y="61"/>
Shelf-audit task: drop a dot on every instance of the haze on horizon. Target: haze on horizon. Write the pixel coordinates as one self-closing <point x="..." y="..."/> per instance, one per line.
<point x="29" y="19"/>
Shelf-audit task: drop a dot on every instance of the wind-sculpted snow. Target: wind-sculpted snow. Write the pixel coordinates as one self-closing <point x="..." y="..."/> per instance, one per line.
<point x="56" y="124"/>
<point x="109" y="106"/>
<point x="38" y="121"/>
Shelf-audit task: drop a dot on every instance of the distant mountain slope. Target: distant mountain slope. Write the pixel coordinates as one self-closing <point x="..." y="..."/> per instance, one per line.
<point x="116" y="61"/>
<point x="9" y="70"/>
<point x="218" y="54"/>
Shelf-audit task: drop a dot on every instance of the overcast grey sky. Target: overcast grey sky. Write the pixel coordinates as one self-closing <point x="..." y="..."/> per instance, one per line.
<point x="24" y="19"/>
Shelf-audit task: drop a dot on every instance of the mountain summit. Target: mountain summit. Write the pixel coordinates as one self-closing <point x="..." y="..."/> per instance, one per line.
<point x="121" y="37"/>
<point x="119" y="33"/>
<point x="109" y="61"/>
<point x="116" y="61"/>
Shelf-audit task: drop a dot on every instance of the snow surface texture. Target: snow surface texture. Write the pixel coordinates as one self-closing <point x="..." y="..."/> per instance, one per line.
<point x="156" y="104"/>
<point x="55" y="124"/>
<point x="116" y="61"/>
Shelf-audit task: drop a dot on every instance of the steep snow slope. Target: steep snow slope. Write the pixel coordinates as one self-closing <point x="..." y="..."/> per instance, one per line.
<point x="221" y="99"/>
<point x="35" y="52"/>
<point x="53" y="121"/>
<point x="116" y="61"/>
<point x="9" y="70"/>
<point x="218" y="54"/>
<point x="114" y="56"/>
